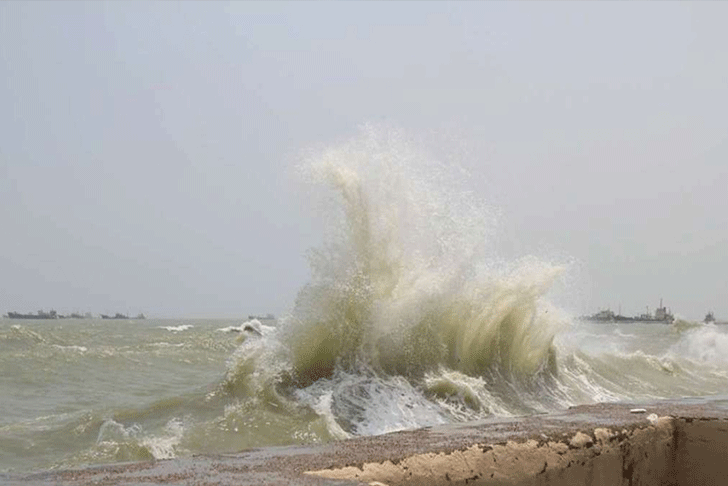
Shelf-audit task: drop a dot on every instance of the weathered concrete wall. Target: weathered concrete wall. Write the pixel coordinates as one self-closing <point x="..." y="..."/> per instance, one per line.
<point x="701" y="453"/>
<point x="603" y="457"/>
<point x="671" y="452"/>
<point x="641" y="457"/>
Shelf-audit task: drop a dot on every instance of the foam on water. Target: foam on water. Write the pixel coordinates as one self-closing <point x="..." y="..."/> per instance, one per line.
<point x="706" y="344"/>
<point x="653" y="361"/>
<point x="117" y="442"/>
<point x="71" y="348"/>
<point x="181" y="328"/>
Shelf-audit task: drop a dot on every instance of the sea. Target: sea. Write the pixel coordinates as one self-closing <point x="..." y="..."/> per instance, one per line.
<point x="411" y="318"/>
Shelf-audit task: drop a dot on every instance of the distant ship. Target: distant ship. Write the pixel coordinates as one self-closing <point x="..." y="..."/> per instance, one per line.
<point x="267" y="317"/>
<point x="40" y="315"/>
<point x="122" y="316"/>
<point x="662" y="315"/>
<point x="709" y="318"/>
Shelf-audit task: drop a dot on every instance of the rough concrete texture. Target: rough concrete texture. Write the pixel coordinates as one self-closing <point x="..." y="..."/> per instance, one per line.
<point x="601" y="444"/>
<point x="601" y="457"/>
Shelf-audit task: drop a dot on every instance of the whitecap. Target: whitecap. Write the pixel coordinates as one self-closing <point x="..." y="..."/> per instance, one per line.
<point x="180" y="328"/>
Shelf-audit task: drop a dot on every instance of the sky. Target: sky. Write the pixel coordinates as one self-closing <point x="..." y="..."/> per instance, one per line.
<point x="147" y="150"/>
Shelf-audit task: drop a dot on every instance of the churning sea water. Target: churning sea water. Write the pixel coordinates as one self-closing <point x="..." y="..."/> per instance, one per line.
<point x="79" y="392"/>
<point x="409" y="320"/>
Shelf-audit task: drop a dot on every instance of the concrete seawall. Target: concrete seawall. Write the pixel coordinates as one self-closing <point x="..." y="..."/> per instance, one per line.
<point x="670" y="443"/>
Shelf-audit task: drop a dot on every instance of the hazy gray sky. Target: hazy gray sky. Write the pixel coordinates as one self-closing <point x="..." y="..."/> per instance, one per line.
<point x="146" y="149"/>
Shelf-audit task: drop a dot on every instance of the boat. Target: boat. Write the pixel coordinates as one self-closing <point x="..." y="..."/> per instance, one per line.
<point x="709" y="318"/>
<point x="605" y="315"/>
<point x="40" y="315"/>
<point x="123" y="316"/>
<point x="662" y="315"/>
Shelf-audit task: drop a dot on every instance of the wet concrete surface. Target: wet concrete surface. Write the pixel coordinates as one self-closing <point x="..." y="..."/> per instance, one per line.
<point x="288" y="465"/>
